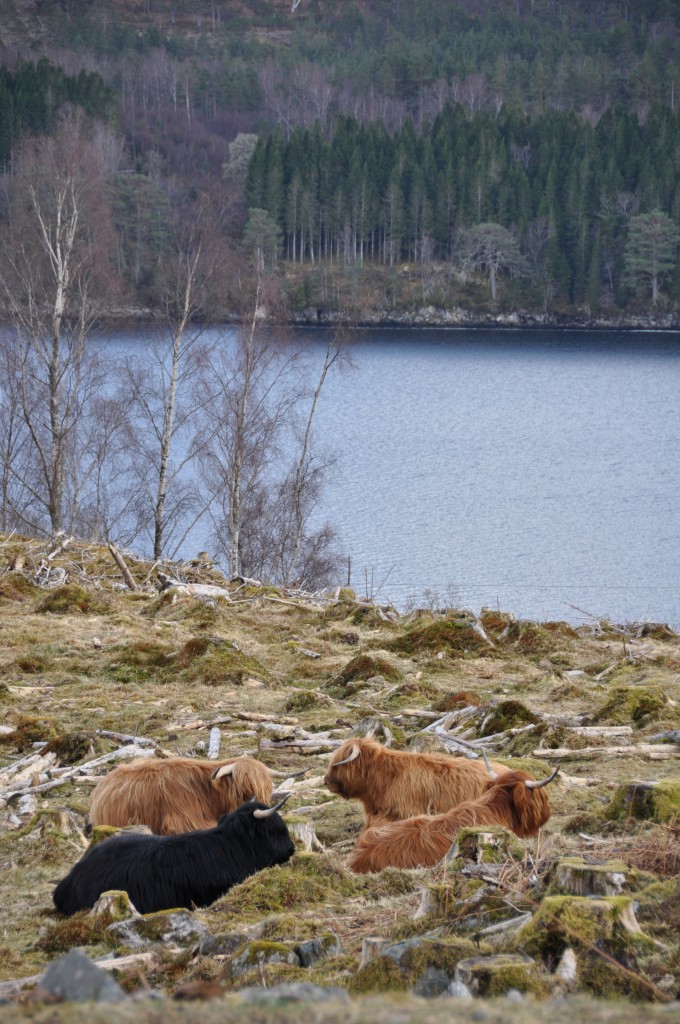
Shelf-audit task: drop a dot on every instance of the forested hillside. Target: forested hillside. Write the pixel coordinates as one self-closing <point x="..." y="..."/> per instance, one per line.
<point x="524" y="150"/>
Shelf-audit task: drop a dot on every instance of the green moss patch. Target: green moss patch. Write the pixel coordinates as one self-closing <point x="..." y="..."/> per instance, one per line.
<point x="364" y="666"/>
<point x="659" y="802"/>
<point x="456" y="700"/>
<point x="508" y="714"/>
<point x="535" y="639"/>
<point x="306" y="879"/>
<point x="403" y="965"/>
<point x="82" y="929"/>
<point x="71" y="599"/>
<point x="72" y="747"/>
<point x="17" y="587"/>
<point x="29" y="730"/>
<point x="591" y="927"/>
<point x="636" y="705"/>
<point x="455" y="636"/>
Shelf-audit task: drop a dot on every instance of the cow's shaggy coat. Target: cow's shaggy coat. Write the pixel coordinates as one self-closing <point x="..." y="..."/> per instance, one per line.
<point x="189" y="870"/>
<point x="422" y="841"/>
<point x="177" y="794"/>
<point x="396" y="784"/>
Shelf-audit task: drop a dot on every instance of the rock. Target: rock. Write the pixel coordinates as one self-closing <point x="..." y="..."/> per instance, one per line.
<point x="297" y="992"/>
<point x="260" y="952"/>
<point x="457" y="990"/>
<point x="574" y="877"/>
<point x="227" y="943"/>
<point x="567" y="968"/>
<point x="75" y="978"/>
<point x="180" y="927"/>
<point x="116" y="904"/>
<point x="27" y="805"/>
<point x="312" y="950"/>
<point x="425" y="965"/>
<point x="433" y="982"/>
<point x="500" y="974"/>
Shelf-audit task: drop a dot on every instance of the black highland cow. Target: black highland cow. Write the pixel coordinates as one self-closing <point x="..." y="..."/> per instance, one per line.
<point x="192" y="869"/>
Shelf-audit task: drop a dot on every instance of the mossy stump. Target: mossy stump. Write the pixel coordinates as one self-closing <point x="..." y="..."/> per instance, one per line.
<point x="116" y="905"/>
<point x="649" y="801"/>
<point x="605" y="934"/>
<point x="572" y="876"/>
<point x="485" y="846"/>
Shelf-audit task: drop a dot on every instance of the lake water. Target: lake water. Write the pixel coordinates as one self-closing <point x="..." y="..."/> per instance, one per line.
<point x="534" y="471"/>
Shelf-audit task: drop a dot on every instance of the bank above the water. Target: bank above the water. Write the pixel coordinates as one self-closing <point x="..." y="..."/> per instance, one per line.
<point x="456" y="316"/>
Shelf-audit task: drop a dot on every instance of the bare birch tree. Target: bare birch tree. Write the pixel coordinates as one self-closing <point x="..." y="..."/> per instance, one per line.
<point x="161" y="384"/>
<point x="54" y="278"/>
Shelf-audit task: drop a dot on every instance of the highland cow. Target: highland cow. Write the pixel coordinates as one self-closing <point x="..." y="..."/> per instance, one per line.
<point x="178" y="794"/>
<point x="189" y="870"/>
<point x="513" y="800"/>
<point x="395" y="784"/>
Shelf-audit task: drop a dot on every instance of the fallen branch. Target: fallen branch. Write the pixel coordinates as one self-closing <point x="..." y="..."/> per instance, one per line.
<point x="120" y="562"/>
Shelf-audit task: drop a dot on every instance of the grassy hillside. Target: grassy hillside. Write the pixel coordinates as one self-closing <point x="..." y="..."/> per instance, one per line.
<point x="88" y="657"/>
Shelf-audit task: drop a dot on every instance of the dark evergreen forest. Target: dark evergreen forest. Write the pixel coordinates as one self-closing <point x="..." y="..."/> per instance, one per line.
<point x="566" y="189"/>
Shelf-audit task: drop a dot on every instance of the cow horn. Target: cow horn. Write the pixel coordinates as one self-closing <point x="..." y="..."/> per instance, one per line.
<point x="533" y="784"/>
<point x="257" y="813"/>
<point x="288" y="775"/>
<point x="226" y="769"/>
<point x="492" y="773"/>
<point x="352" y="757"/>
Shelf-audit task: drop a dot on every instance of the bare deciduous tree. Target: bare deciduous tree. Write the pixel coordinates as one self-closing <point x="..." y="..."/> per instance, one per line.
<point x="161" y="385"/>
<point x="55" y="277"/>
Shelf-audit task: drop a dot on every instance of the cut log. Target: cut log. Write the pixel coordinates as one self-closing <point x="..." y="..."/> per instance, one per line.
<point x="602" y="730"/>
<point x="653" y="751"/>
<point x="300" y="746"/>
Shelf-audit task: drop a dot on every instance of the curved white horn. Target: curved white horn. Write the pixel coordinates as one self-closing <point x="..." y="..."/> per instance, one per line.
<point x="531" y="784"/>
<point x="287" y="775"/>
<point x="492" y="773"/>
<point x="257" y="813"/>
<point x="352" y="757"/>
<point x="226" y="769"/>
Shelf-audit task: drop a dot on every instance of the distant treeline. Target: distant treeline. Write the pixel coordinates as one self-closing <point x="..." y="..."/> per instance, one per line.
<point x="566" y="188"/>
<point x="31" y="96"/>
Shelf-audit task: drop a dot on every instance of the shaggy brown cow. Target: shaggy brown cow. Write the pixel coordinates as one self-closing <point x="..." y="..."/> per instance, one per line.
<point x="178" y="794"/>
<point x="396" y="784"/>
<point x="513" y="800"/>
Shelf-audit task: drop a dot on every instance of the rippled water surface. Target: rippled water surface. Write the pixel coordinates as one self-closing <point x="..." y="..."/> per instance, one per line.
<point x="534" y="471"/>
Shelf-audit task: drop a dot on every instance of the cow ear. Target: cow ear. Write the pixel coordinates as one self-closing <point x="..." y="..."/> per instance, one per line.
<point x="220" y="773"/>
